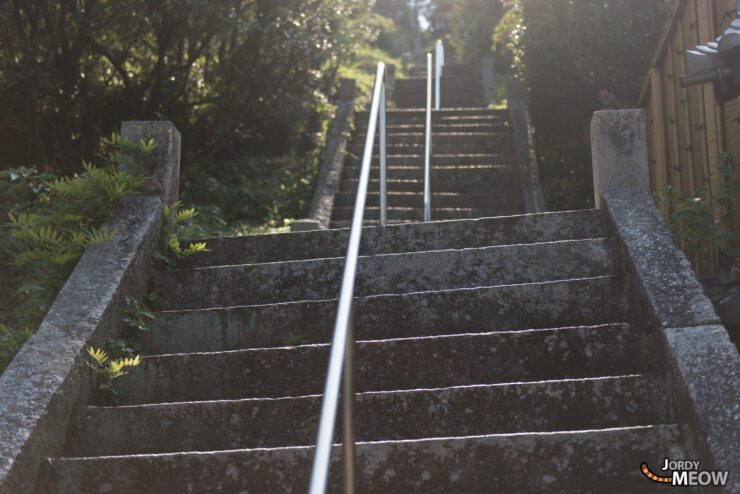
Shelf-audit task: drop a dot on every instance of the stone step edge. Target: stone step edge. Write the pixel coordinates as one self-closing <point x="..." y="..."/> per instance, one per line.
<point x="438" y="337"/>
<point x="571" y="241"/>
<point x="388" y="393"/>
<point x="576" y="432"/>
<point x="370" y="297"/>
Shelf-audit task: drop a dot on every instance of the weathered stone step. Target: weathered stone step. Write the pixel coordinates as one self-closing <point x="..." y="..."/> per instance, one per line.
<point x="389" y="415"/>
<point x="444" y="114"/>
<point x="492" y="125"/>
<point x="494" y="144"/>
<point x="411" y="213"/>
<point x="394" y="364"/>
<point x="455" y="183"/>
<point x="583" y="461"/>
<point x="522" y="229"/>
<point x="502" y="308"/>
<point x="318" y="279"/>
<point x="482" y="172"/>
<point x="416" y="199"/>
<point x="439" y="139"/>
<point x="446" y="138"/>
<point x="471" y="102"/>
<point x="370" y="223"/>
<point x="457" y="87"/>
<point x="437" y="159"/>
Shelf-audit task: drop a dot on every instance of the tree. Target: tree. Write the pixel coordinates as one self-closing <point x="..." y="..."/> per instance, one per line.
<point x="565" y="52"/>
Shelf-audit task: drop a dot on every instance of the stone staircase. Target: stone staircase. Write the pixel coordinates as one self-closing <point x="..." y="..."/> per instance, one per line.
<point x="460" y="86"/>
<point x="473" y="167"/>
<point x="493" y="355"/>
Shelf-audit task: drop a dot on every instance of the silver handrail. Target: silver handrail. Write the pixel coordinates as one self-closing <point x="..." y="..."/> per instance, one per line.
<point x="341" y="358"/>
<point x="439" y="63"/>
<point x="428" y="140"/>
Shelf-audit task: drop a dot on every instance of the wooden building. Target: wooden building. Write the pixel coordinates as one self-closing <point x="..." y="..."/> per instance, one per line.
<point x="687" y="129"/>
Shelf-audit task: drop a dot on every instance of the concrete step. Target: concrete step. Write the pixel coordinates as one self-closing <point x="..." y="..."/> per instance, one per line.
<point x="482" y="172"/>
<point x="371" y="223"/>
<point x="579" y="461"/>
<point x="416" y="200"/>
<point x="419" y="121"/>
<point x="441" y="115"/>
<point x="487" y="125"/>
<point x="451" y="84"/>
<point x="538" y="406"/>
<point x="411" y="213"/>
<point x="437" y="159"/>
<point x="481" y="309"/>
<point x="446" y="139"/>
<point x="317" y="279"/>
<point x="496" y="143"/>
<point x="420" y="102"/>
<point x="545" y="227"/>
<point x="471" y="184"/>
<point x="388" y="365"/>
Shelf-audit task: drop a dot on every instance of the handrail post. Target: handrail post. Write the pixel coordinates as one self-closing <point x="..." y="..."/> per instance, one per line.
<point x="348" y="407"/>
<point x="439" y="63"/>
<point x="383" y="184"/>
<point x="428" y="140"/>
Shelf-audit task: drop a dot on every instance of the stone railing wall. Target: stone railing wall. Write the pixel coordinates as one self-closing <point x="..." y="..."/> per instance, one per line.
<point x="330" y="173"/>
<point x="49" y="375"/>
<point x="667" y="299"/>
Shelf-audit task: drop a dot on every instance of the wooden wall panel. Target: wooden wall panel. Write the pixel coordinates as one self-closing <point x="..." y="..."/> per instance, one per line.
<point x="687" y="130"/>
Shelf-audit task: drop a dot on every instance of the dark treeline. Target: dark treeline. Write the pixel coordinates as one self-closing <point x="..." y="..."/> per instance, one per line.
<point x="246" y="82"/>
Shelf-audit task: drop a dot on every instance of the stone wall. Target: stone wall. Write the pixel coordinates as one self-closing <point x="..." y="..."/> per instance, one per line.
<point x="49" y="375"/>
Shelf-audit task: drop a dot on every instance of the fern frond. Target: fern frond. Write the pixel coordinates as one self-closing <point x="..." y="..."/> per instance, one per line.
<point x="185" y="214"/>
<point x="98" y="355"/>
<point x="32" y="255"/>
<point x="195" y="247"/>
<point x="96" y="236"/>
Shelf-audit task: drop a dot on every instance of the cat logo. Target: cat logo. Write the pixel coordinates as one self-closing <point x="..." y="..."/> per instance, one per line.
<point x="686" y="472"/>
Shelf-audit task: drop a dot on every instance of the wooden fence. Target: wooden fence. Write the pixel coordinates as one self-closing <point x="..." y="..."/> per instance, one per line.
<point x="687" y="129"/>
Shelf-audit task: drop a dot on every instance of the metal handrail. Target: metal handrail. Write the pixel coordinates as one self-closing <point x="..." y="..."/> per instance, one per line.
<point x="428" y="140"/>
<point x="439" y="63"/>
<point x="341" y="358"/>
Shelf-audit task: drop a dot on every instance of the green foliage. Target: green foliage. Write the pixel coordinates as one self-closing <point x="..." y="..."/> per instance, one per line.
<point x="239" y="78"/>
<point x="52" y="220"/>
<point x="362" y="67"/>
<point x="138" y="316"/>
<point x="565" y="52"/>
<point x="110" y="369"/>
<point x="692" y="220"/>
<point x="178" y="225"/>
<point x="472" y="25"/>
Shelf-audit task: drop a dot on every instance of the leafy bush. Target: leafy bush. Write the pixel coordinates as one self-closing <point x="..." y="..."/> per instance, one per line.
<point x="110" y="369"/>
<point x="472" y="25"/>
<point x="692" y="220"/>
<point x="565" y="52"/>
<point x="52" y="220"/>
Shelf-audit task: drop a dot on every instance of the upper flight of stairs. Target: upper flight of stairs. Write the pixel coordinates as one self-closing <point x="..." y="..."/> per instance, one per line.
<point x="493" y="355"/>
<point x="473" y="167"/>
<point x="473" y="157"/>
<point x="460" y="86"/>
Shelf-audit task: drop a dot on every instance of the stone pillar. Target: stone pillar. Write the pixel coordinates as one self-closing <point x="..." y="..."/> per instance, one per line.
<point x="390" y="82"/>
<point x="165" y="176"/>
<point x="619" y="152"/>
